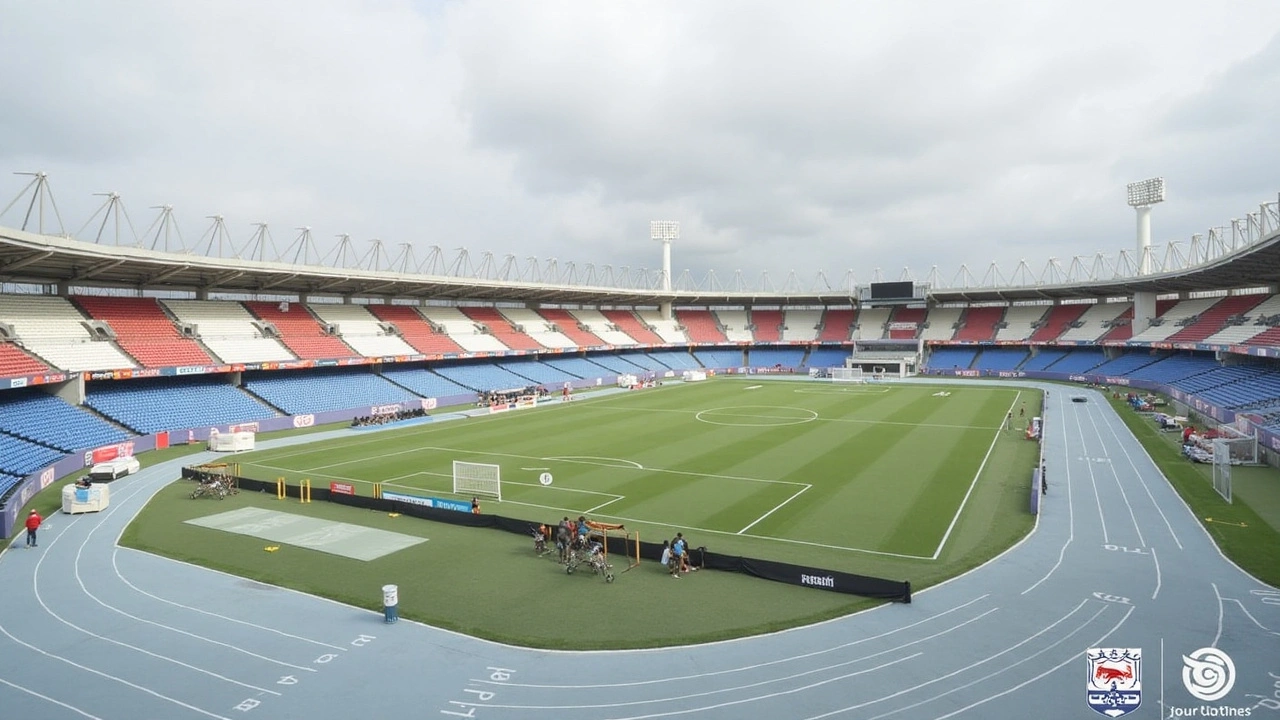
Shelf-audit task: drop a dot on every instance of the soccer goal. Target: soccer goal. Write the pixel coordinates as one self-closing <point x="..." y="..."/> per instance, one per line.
<point x="477" y="479"/>
<point x="1222" y="468"/>
<point x="848" y="374"/>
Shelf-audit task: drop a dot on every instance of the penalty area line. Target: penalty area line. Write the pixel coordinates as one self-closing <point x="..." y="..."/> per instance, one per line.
<point x="775" y="509"/>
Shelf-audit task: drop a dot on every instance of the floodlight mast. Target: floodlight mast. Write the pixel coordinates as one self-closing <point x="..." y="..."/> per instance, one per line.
<point x="1143" y="195"/>
<point x="665" y="231"/>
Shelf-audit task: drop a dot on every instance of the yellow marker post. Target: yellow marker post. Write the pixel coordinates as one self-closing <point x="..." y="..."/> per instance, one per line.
<point x="304" y="491"/>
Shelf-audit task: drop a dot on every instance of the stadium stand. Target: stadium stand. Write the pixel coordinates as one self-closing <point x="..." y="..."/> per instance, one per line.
<point x="827" y="357"/>
<point x="669" y="330"/>
<point x="940" y="323"/>
<point x="537" y="372"/>
<point x="578" y="332"/>
<point x="415" y="330"/>
<point x="1043" y="359"/>
<point x="8" y="485"/>
<point x="14" y="361"/>
<point x="1246" y="328"/>
<point x="229" y="331"/>
<point x="702" y="326"/>
<point x="951" y="358"/>
<point x="53" y="329"/>
<point x="615" y="364"/>
<point x="20" y="457"/>
<point x="462" y="329"/>
<point x="999" y="358"/>
<point x="804" y="325"/>
<point x="904" y="322"/>
<point x="1174" y="368"/>
<point x="838" y="325"/>
<point x="736" y="324"/>
<point x="1095" y="322"/>
<point x="502" y="328"/>
<point x="608" y="330"/>
<point x="45" y="419"/>
<point x="1217" y="318"/>
<point x="766" y="325"/>
<point x="773" y="357"/>
<point x="720" y="359"/>
<point x="314" y="391"/>
<point x="538" y="327"/>
<point x="300" y="331"/>
<point x="979" y="324"/>
<point x="1269" y="337"/>
<point x="579" y="367"/>
<point x="871" y="324"/>
<point x="1126" y="363"/>
<point x="482" y="377"/>
<point x="362" y="330"/>
<point x="144" y="331"/>
<point x="1020" y="321"/>
<point x="151" y="405"/>
<point x="1060" y="319"/>
<point x="422" y="381"/>
<point x="675" y="359"/>
<point x="1176" y="318"/>
<point x="1079" y="361"/>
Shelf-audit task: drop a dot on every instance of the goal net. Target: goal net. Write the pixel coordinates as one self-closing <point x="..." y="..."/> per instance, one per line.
<point x="477" y="479"/>
<point x="847" y="374"/>
<point x="1222" y="468"/>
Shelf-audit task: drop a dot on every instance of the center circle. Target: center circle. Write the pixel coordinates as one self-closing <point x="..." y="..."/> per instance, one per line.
<point x="756" y="416"/>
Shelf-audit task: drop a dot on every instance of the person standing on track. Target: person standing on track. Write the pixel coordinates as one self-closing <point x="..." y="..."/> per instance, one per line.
<point x="33" y="524"/>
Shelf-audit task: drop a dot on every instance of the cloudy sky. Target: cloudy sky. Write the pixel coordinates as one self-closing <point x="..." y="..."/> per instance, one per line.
<point x="798" y="136"/>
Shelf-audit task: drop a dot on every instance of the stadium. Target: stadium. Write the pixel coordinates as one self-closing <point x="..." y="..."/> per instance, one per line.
<point x="364" y="384"/>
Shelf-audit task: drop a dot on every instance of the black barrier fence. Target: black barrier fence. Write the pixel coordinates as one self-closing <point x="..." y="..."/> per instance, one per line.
<point x="819" y="578"/>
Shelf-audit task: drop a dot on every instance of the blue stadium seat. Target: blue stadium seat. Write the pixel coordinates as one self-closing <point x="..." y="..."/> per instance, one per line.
<point x="424" y="382"/>
<point x="770" y="357"/>
<point x="579" y="367"/>
<point x="1000" y="358"/>
<point x="1126" y="363"/>
<point x="828" y="357"/>
<point x="719" y="358"/>
<point x="45" y="419"/>
<point x="19" y="458"/>
<point x="315" y="391"/>
<point x="1079" y="361"/>
<point x="536" y="372"/>
<point x="482" y="377"/>
<point x="1044" y="359"/>
<point x="675" y="360"/>
<point x="152" y="405"/>
<point x="950" y="358"/>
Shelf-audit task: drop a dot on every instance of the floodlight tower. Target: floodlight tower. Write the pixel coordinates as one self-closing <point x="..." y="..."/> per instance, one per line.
<point x="1142" y="196"/>
<point x="665" y="231"/>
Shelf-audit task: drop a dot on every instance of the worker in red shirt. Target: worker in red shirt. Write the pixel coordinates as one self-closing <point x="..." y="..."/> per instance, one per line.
<point x="33" y="524"/>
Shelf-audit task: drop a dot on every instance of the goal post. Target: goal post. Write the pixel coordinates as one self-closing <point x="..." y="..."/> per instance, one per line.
<point x="477" y="479"/>
<point x="847" y="374"/>
<point x="1222" y="468"/>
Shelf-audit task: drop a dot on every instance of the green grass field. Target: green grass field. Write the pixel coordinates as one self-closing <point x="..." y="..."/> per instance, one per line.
<point x="873" y="469"/>
<point x="908" y="482"/>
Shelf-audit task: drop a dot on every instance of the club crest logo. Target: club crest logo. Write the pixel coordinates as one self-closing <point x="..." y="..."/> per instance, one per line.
<point x="1114" y="687"/>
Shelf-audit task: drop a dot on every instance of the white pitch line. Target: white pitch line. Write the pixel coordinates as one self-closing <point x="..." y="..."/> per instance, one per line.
<point x="775" y="509"/>
<point x="1123" y="495"/>
<point x="1157" y="562"/>
<point x="1094" y="481"/>
<point x="956" y="518"/>
<point x="607" y="502"/>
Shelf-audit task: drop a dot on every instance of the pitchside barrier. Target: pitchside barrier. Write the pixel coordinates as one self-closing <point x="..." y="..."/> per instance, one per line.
<point x="822" y="579"/>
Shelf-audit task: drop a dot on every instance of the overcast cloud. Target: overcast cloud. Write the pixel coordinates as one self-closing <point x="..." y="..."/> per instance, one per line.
<point x="783" y="136"/>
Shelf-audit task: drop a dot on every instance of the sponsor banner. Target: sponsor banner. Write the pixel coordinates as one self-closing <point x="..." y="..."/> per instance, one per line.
<point x="830" y="580"/>
<point x="190" y="370"/>
<point x="243" y="427"/>
<point x="1010" y="374"/>
<point x="339" y="488"/>
<point x="18" y="383"/>
<point x="162" y="440"/>
<point x="108" y="452"/>
<point x="326" y="363"/>
<point x="1115" y="380"/>
<point x="46" y="477"/>
<point x="968" y="373"/>
<point x="429" y="403"/>
<point x="437" y="503"/>
<point x="391" y="409"/>
<point x="303" y="421"/>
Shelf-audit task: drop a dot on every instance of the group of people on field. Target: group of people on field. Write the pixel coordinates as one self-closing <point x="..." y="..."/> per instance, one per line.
<point x="675" y="556"/>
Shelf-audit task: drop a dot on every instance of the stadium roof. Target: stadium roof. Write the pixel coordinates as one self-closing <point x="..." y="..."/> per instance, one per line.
<point x="43" y="259"/>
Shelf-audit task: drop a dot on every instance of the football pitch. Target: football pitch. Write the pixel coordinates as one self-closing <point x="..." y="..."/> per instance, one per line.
<point x="786" y="468"/>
